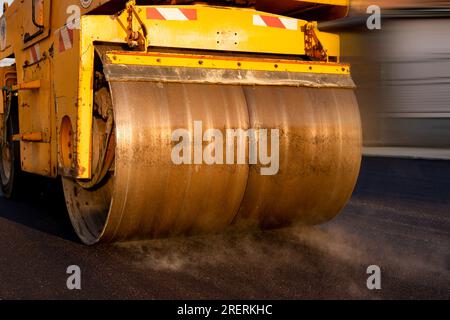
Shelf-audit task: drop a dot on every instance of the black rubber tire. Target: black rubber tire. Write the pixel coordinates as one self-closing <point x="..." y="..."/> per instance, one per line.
<point x="10" y="188"/>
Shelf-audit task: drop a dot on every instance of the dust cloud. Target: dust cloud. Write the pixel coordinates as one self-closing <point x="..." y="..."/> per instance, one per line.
<point x="307" y="249"/>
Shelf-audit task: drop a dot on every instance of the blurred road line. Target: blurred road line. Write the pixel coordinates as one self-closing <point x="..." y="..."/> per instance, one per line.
<point x="407" y="153"/>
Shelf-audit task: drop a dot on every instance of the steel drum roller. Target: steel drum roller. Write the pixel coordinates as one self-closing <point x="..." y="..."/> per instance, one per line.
<point x="148" y="196"/>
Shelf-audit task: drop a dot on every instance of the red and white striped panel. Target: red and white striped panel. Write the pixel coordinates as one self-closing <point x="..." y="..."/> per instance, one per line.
<point x="65" y="39"/>
<point x="174" y="14"/>
<point x="35" y="54"/>
<point x="275" y="22"/>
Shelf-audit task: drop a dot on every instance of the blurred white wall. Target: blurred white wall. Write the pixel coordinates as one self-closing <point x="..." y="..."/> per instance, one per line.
<point x="403" y="75"/>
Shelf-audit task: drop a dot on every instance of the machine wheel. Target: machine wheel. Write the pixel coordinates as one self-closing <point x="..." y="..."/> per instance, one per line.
<point x="10" y="159"/>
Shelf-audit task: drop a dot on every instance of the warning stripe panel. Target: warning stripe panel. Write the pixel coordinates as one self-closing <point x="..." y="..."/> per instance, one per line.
<point x="183" y="14"/>
<point x="65" y="39"/>
<point x="275" y="22"/>
<point x="35" y="54"/>
<point x="173" y="14"/>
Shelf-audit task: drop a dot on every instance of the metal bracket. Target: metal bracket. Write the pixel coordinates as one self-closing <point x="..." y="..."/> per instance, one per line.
<point x="32" y="85"/>
<point x="31" y="137"/>
<point x="135" y="39"/>
<point x="313" y="47"/>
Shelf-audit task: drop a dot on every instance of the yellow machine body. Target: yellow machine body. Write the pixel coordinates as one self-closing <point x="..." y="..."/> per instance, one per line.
<point x="55" y="53"/>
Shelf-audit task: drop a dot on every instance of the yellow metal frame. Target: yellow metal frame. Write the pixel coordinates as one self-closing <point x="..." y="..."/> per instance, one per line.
<point x="93" y="28"/>
<point x="45" y="33"/>
<point x="232" y="63"/>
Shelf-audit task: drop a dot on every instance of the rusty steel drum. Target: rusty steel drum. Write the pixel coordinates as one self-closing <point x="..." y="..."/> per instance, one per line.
<point x="147" y="196"/>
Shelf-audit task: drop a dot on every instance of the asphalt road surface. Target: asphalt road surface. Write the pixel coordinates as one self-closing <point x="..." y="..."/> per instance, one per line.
<point x="398" y="219"/>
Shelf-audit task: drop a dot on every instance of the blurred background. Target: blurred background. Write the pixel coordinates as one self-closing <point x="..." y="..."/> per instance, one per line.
<point x="403" y="75"/>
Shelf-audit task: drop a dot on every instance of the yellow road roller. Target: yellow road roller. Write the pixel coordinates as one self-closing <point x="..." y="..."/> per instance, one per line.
<point x="179" y="117"/>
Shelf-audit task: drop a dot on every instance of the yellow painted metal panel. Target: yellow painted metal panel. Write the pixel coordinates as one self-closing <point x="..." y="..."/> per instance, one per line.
<point x="36" y="115"/>
<point x="233" y="63"/>
<point x="224" y="29"/>
<point x="227" y="29"/>
<point x="33" y="34"/>
<point x="66" y="81"/>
